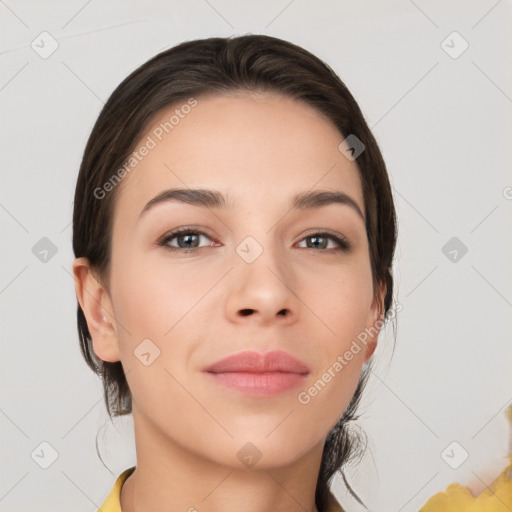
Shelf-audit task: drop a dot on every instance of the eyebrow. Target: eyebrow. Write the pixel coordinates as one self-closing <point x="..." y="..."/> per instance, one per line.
<point x="216" y="200"/>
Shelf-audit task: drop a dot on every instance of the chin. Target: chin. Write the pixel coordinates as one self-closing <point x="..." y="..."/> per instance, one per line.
<point x="259" y="450"/>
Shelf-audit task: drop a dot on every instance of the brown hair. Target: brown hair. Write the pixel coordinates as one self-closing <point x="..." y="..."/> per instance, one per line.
<point x="222" y="66"/>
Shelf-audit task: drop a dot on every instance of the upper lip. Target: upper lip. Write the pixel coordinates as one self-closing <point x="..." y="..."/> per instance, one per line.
<point x="254" y="362"/>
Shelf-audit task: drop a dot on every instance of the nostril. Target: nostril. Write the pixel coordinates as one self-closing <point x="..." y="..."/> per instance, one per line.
<point x="246" y="312"/>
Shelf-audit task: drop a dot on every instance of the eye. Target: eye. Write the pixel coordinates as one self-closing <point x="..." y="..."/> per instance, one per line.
<point x="321" y="240"/>
<point x="187" y="240"/>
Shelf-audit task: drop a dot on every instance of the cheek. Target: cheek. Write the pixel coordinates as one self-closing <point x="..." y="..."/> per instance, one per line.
<point x="152" y="298"/>
<point x="156" y="304"/>
<point x="341" y="301"/>
<point x="163" y="309"/>
<point x="340" y="296"/>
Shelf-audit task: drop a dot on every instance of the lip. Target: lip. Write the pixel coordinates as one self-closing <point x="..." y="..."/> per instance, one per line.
<point x="258" y="374"/>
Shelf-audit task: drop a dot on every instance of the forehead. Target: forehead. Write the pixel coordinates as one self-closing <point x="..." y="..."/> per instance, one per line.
<point x="254" y="147"/>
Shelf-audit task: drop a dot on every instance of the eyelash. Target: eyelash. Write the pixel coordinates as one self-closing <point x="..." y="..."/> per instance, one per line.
<point x="343" y="244"/>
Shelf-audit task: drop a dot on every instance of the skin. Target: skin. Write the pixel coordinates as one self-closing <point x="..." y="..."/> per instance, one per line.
<point x="260" y="149"/>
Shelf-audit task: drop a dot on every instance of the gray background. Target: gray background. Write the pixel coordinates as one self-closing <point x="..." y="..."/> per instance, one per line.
<point x="443" y="120"/>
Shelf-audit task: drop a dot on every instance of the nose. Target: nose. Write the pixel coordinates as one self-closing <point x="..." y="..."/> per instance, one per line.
<point x="262" y="291"/>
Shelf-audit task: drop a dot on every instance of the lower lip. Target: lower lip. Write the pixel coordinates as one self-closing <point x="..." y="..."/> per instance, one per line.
<point x="260" y="384"/>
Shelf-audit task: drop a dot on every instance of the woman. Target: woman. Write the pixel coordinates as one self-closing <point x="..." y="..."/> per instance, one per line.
<point x="234" y="232"/>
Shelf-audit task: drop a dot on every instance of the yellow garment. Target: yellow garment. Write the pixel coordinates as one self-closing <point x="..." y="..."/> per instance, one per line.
<point x="113" y="504"/>
<point x="496" y="498"/>
<point x="457" y="498"/>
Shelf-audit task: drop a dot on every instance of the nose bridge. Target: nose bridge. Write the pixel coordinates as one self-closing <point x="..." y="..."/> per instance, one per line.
<point x="261" y="255"/>
<point x="263" y="279"/>
<point x="260" y="242"/>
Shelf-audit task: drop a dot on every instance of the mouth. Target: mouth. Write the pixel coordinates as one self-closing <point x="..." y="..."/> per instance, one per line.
<point x="256" y="374"/>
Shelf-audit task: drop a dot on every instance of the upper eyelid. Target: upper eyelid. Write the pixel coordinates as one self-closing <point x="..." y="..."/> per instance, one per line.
<point x="186" y="229"/>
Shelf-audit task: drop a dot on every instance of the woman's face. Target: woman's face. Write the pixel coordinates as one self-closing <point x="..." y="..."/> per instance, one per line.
<point x="254" y="274"/>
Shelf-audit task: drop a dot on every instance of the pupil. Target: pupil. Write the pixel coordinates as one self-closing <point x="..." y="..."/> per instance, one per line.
<point x="316" y="238"/>
<point x="187" y="239"/>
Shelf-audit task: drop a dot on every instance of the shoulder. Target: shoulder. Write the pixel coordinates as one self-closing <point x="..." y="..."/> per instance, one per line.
<point x="112" y="503"/>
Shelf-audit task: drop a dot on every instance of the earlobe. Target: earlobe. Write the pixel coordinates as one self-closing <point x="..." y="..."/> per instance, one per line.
<point x="97" y="308"/>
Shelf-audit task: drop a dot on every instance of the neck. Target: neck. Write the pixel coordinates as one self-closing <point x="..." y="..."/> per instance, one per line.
<point x="171" y="477"/>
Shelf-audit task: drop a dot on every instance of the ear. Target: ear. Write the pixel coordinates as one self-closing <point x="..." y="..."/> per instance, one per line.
<point x="96" y="304"/>
<point x="375" y="321"/>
